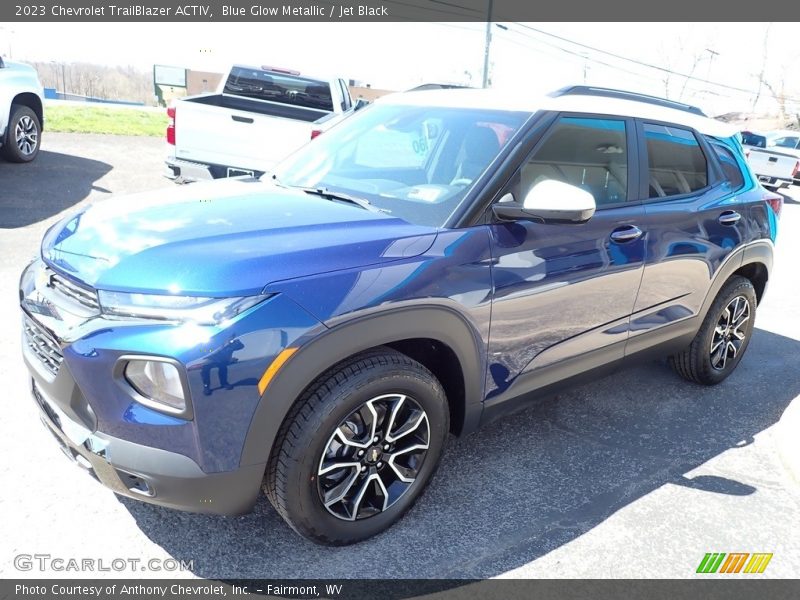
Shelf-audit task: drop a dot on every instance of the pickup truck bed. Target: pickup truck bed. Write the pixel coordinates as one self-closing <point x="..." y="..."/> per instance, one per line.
<point x="259" y="116"/>
<point x="262" y="107"/>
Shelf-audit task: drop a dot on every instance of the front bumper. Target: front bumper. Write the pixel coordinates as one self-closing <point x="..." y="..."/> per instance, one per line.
<point x="149" y="474"/>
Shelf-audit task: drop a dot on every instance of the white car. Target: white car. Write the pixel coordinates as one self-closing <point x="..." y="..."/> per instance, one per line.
<point x="21" y="111"/>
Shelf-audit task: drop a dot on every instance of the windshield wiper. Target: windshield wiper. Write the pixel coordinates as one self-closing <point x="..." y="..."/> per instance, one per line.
<point x="323" y="192"/>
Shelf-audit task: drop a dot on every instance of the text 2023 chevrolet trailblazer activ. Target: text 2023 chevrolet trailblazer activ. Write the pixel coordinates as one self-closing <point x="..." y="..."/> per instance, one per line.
<point x="420" y="269"/>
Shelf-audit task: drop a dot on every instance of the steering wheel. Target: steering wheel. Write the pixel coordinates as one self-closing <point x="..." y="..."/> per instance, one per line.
<point x="461" y="181"/>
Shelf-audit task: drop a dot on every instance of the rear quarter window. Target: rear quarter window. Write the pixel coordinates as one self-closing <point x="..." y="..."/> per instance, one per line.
<point x="730" y="166"/>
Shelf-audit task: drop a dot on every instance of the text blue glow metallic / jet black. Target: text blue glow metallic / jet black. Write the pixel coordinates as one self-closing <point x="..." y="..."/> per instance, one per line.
<point x="422" y="268"/>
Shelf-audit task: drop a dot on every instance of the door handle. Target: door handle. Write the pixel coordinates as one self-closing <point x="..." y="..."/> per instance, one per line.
<point x="239" y="119"/>
<point x="729" y="217"/>
<point x="626" y="233"/>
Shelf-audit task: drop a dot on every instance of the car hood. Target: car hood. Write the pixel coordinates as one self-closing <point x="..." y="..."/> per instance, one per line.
<point x="223" y="238"/>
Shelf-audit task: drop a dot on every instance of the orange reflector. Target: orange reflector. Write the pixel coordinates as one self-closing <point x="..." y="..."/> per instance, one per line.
<point x="273" y="369"/>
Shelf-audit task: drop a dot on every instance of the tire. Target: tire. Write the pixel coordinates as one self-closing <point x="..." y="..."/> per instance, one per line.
<point x="728" y="325"/>
<point x="22" y="122"/>
<point x="319" y="433"/>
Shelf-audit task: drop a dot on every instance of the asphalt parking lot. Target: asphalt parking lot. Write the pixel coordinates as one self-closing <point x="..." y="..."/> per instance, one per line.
<point x="635" y="475"/>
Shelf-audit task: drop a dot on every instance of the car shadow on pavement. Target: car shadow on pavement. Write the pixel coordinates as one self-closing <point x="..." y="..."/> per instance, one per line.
<point x="523" y="486"/>
<point x="32" y="192"/>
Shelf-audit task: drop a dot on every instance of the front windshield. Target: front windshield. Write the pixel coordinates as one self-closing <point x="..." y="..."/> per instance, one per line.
<point x="416" y="163"/>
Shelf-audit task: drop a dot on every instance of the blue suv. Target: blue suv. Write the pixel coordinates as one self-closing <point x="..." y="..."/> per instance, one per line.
<point x="420" y="269"/>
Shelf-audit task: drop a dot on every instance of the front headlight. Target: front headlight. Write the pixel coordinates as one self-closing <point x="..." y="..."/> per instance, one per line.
<point x="201" y="310"/>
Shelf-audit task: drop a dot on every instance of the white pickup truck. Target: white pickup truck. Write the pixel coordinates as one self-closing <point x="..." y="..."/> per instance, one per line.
<point x="773" y="157"/>
<point x="21" y="112"/>
<point x="258" y="116"/>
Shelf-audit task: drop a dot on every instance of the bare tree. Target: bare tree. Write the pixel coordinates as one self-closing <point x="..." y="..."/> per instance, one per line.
<point x="97" y="81"/>
<point x="760" y="76"/>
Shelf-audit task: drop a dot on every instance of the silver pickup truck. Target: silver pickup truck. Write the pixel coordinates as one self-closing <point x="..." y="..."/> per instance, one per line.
<point x="21" y="112"/>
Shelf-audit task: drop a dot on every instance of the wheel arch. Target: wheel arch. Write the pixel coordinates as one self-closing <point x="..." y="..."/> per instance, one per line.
<point x="438" y="336"/>
<point x="33" y="102"/>
<point x="753" y="262"/>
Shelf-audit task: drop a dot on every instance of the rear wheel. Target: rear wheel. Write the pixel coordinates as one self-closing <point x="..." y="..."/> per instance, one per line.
<point x="23" y="135"/>
<point x="358" y="448"/>
<point x="723" y="337"/>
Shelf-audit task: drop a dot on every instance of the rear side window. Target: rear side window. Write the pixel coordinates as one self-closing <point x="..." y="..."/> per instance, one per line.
<point x="730" y="167"/>
<point x="676" y="161"/>
<point x="753" y="139"/>
<point x="586" y="152"/>
<point x="279" y="87"/>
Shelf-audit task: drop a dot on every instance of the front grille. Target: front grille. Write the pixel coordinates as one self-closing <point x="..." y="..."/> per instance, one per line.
<point x="83" y="295"/>
<point x="42" y="344"/>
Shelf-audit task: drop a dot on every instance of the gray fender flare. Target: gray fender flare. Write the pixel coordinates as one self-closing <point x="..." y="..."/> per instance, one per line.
<point x="760" y="251"/>
<point x="356" y="334"/>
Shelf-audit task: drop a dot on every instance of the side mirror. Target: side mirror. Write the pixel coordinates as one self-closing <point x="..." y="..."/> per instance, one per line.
<point x="359" y="104"/>
<point x="549" y="201"/>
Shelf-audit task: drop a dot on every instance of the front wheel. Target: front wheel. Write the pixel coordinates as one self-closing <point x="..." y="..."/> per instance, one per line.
<point x="358" y="448"/>
<point x="23" y="135"/>
<point x="723" y="337"/>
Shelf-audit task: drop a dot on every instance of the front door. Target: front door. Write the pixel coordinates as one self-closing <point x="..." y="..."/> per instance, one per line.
<point x="563" y="293"/>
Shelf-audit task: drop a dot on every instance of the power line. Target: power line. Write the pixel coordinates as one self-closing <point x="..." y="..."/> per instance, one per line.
<point x="572" y="53"/>
<point x="642" y="63"/>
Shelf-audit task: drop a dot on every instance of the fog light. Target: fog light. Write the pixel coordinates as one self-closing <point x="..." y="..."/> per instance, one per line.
<point x="159" y="382"/>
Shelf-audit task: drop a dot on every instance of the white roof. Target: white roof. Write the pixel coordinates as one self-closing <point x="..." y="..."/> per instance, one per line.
<point x="505" y="100"/>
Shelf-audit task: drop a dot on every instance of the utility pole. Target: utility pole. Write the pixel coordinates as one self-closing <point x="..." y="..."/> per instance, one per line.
<point x="712" y="54"/>
<point x="488" y="43"/>
<point x="585" y="66"/>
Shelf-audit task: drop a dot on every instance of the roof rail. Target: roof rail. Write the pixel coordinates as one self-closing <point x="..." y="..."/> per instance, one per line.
<point x="586" y="90"/>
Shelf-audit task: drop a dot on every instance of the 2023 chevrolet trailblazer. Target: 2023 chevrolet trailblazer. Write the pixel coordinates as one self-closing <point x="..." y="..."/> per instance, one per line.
<point x="422" y="268"/>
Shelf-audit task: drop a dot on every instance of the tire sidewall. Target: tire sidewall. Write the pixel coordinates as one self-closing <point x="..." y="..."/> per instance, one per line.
<point x="302" y="493"/>
<point x="10" y="148"/>
<point x="738" y="288"/>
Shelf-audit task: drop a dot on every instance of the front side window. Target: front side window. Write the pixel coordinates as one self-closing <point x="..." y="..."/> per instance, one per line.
<point x="786" y="142"/>
<point x="414" y="162"/>
<point x="589" y="153"/>
<point x="676" y="162"/>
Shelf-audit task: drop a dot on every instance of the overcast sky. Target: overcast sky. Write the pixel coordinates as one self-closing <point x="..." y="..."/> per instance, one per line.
<point x="400" y="55"/>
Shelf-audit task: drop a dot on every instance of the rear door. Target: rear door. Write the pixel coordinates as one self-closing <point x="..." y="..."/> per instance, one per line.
<point x="563" y="293"/>
<point x="693" y="218"/>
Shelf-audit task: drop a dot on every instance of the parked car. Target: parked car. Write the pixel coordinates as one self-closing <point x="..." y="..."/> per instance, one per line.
<point x="776" y="166"/>
<point x="787" y="141"/>
<point x="421" y="269"/>
<point x="21" y="112"/>
<point x="258" y="116"/>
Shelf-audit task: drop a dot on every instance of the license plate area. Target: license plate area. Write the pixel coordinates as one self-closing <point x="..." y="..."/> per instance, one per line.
<point x="234" y="172"/>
